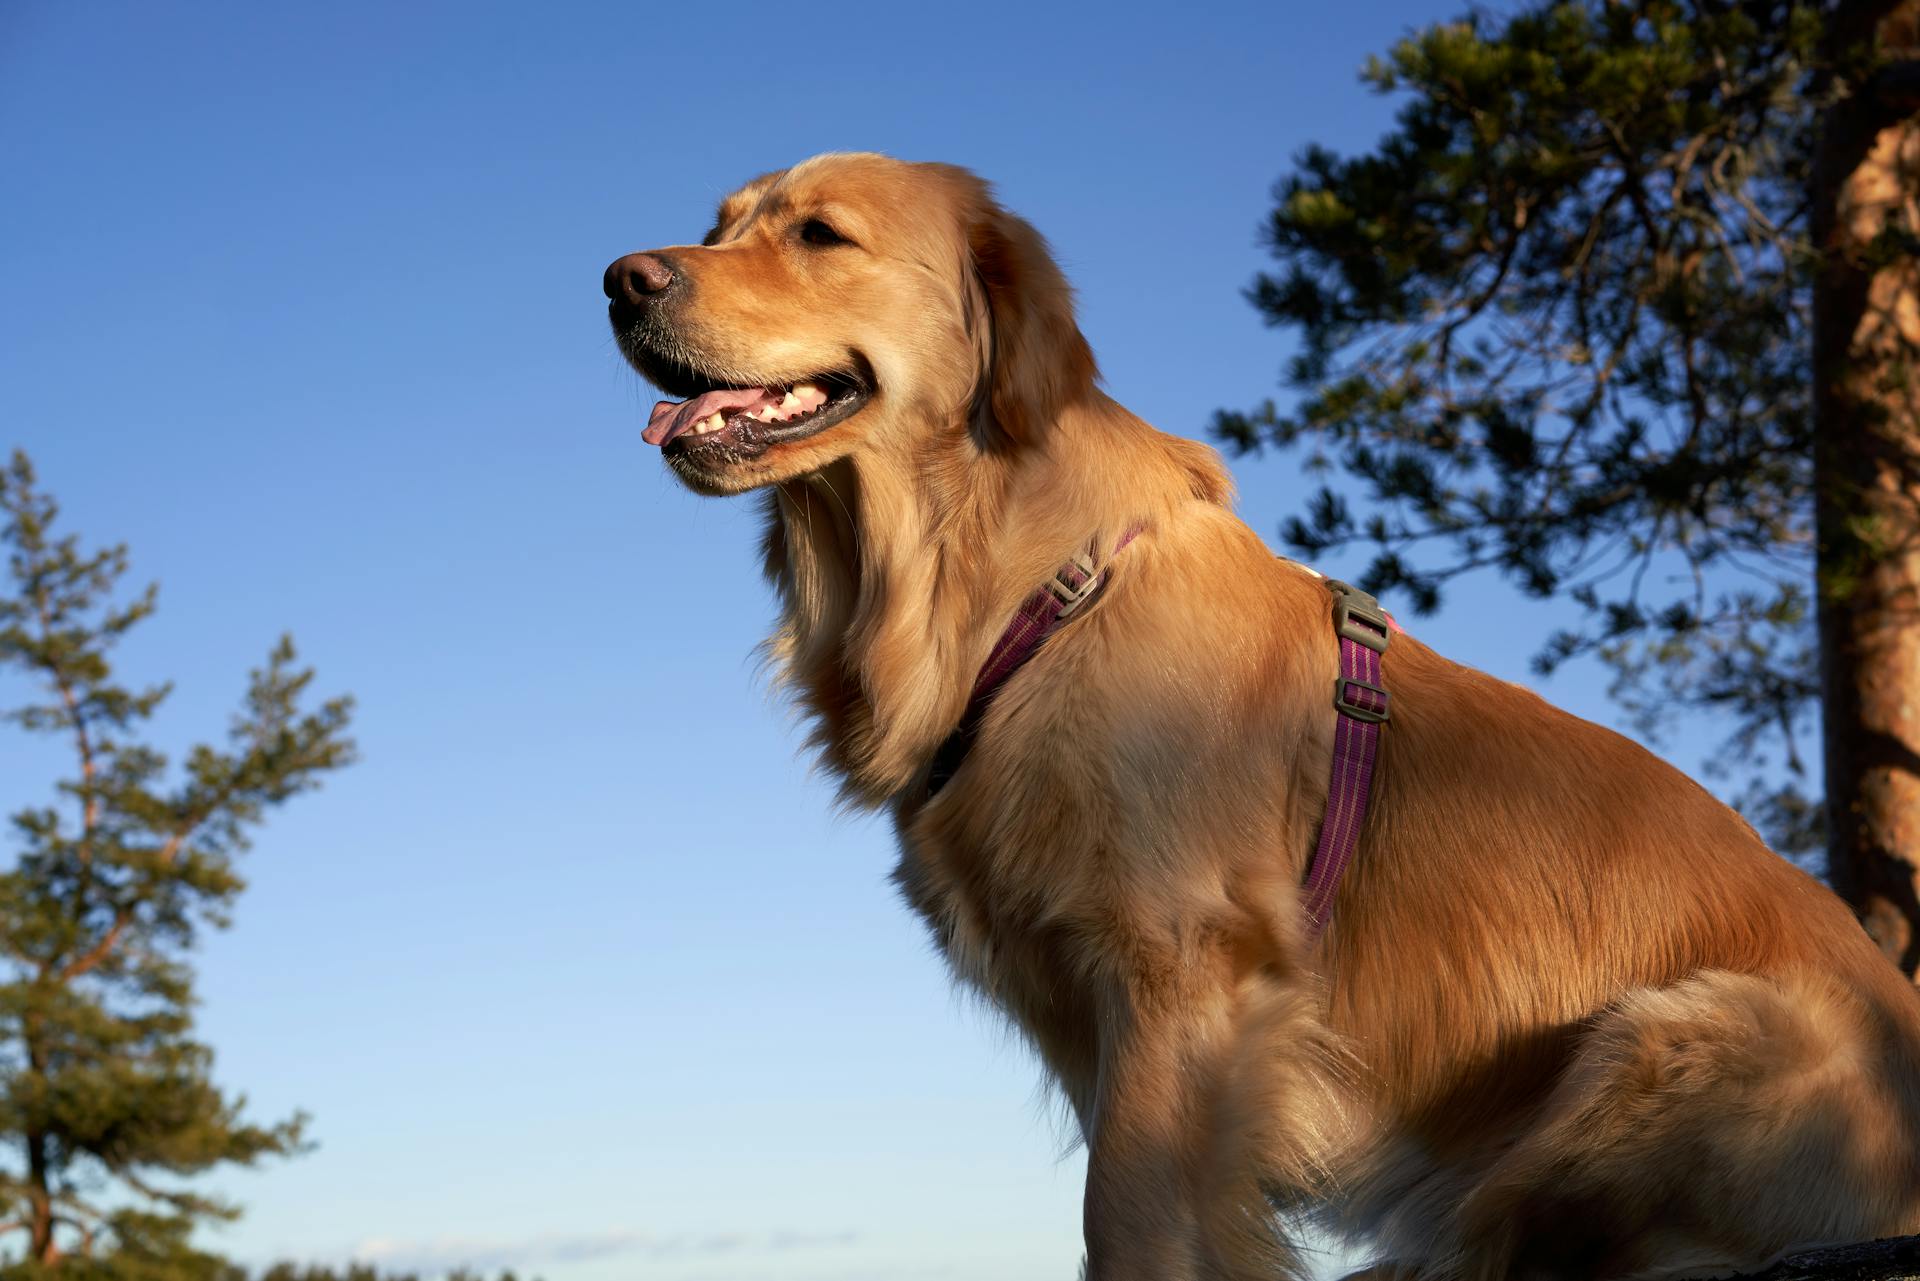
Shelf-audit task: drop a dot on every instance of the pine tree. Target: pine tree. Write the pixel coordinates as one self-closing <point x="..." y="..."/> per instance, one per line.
<point x="106" y="1098"/>
<point x="1564" y="322"/>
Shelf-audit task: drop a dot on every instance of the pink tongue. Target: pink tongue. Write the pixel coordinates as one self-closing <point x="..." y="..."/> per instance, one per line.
<point x="672" y="417"/>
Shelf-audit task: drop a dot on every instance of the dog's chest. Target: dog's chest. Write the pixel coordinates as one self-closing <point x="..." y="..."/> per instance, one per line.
<point x="1038" y="967"/>
<point x="983" y="897"/>
<point x="1020" y="888"/>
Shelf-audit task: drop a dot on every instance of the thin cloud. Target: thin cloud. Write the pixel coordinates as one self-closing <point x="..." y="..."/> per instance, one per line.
<point x="443" y="1254"/>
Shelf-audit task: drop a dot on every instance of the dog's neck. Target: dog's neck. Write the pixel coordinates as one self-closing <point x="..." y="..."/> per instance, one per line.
<point x="896" y="579"/>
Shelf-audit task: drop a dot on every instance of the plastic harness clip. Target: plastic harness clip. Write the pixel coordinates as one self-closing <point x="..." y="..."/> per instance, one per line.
<point x="1349" y="604"/>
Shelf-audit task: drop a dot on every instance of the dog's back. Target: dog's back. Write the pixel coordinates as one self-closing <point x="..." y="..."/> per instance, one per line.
<point x="1614" y="1032"/>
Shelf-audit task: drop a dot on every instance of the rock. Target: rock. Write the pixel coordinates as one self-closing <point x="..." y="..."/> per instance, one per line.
<point x="1894" y="1259"/>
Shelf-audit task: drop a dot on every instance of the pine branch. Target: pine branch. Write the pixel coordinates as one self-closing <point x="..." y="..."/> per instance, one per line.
<point x="1614" y="393"/>
<point x="125" y="914"/>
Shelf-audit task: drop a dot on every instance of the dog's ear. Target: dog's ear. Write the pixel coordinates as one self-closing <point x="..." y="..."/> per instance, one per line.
<point x="1037" y="361"/>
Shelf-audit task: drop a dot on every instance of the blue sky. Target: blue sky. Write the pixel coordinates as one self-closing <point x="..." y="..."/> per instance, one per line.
<point x="577" y="970"/>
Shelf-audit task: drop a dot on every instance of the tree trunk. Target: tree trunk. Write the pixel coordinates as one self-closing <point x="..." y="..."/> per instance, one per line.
<point x="40" y="1246"/>
<point x="1866" y="215"/>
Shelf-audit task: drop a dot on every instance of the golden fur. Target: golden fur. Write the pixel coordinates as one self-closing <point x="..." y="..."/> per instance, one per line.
<point x="1571" y="1019"/>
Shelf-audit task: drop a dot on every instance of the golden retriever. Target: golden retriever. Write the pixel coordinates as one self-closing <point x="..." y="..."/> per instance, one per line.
<point x="1571" y="1017"/>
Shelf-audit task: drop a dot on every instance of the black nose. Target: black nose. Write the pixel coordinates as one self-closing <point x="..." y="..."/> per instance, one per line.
<point x="637" y="279"/>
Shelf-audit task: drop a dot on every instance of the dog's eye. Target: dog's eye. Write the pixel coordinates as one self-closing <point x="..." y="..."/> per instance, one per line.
<point x="815" y="232"/>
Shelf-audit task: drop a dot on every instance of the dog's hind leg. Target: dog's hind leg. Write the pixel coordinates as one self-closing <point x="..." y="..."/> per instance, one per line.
<point x="1708" y="1125"/>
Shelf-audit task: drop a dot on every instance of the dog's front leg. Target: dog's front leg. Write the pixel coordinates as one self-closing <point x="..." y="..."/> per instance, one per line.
<point x="1142" y="1145"/>
<point x="1216" y="1102"/>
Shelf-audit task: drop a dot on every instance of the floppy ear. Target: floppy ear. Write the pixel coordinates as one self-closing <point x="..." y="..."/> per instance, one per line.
<point x="1037" y="361"/>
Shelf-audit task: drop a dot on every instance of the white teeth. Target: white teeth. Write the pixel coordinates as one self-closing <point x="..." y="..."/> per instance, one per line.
<point x="805" y="389"/>
<point x="791" y="401"/>
<point x="711" y="423"/>
<point x="767" y="414"/>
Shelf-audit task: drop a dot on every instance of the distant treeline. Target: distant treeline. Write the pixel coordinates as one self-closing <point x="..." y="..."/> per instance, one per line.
<point x="203" y="1267"/>
<point x="357" y="1272"/>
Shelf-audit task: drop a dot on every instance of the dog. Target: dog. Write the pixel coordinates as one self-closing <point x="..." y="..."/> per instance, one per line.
<point x="1570" y="1018"/>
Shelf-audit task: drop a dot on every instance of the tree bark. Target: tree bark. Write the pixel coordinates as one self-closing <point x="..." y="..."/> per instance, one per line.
<point x="1866" y="217"/>
<point x="40" y="1245"/>
<point x="39" y="1201"/>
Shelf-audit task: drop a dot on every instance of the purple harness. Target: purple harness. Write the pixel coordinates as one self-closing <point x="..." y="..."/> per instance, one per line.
<point x="1364" y="631"/>
<point x="1041" y="614"/>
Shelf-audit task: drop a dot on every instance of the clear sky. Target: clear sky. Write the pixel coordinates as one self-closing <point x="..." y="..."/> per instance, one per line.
<point x="577" y="971"/>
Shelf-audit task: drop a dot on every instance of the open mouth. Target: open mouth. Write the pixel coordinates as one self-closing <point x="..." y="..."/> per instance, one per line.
<point x="746" y="421"/>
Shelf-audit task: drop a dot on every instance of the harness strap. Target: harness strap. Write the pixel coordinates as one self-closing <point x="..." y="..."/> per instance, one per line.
<point x="1040" y="616"/>
<point x="1364" y="631"/>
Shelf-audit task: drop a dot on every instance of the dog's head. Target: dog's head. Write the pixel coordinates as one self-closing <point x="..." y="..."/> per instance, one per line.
<point x="851" y="303"/>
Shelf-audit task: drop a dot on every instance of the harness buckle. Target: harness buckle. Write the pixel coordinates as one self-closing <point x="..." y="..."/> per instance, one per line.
<point x="1343" y="700"/>
<point x="1071" y="595"/>
<point x="1349" y="604"/>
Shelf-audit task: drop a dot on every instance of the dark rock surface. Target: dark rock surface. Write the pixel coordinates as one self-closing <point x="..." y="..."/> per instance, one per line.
<point x="1894" y="1259"/>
